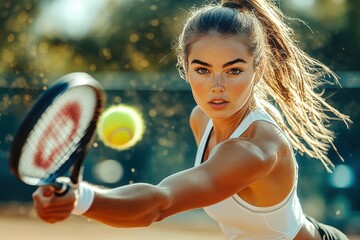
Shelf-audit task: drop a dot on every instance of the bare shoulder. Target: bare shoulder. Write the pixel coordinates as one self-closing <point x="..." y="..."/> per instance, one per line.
<point x="265" y="134"/>
<point x="262" y="150"/>
<point x="271" y="141"/>
<point x="198" y="121"/>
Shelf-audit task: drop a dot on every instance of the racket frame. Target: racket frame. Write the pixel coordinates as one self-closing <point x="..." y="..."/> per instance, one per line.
<point x="75" y="161"/>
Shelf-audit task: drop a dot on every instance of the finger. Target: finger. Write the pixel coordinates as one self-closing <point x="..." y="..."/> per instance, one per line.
<point x="51" y="200"/>
<point x="41" y="200"/>
<point x="47" y="191"/>
<point x="54" y="203"/>
<point x="53" y="218"/>
<point x="66" y="209"/>
<point x="52" y="212"/>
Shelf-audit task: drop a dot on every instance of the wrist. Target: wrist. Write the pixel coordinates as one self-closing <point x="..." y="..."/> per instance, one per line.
<point x="84" y="198"/>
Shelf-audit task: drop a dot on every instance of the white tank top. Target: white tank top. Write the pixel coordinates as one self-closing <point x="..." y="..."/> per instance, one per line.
<point x="240" y="220"/>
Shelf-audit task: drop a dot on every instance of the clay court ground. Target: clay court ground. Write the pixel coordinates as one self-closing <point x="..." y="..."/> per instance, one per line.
<point x="18" y="222"/>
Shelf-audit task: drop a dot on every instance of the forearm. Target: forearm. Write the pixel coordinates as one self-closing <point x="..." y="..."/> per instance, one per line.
<point x="133" y="205"/>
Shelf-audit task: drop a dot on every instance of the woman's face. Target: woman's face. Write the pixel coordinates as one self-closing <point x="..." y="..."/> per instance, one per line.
<point x="221" y="74"/>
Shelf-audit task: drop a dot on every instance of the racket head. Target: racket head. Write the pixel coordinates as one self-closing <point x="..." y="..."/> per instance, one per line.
<point x="57" y="131"/>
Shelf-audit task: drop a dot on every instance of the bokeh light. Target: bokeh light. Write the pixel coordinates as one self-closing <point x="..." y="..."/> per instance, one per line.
<point x="72" y="19"/>
<point x="342" y="177"/>
<point x="109" y="171"/>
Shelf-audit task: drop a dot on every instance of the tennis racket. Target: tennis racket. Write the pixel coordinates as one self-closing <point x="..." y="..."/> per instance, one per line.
<point x="57" y="132"/>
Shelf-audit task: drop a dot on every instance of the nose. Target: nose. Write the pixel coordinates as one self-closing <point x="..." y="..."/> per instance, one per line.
<point x="218" y="86"/>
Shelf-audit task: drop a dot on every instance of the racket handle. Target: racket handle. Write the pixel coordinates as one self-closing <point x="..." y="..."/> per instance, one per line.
<point x="62" y="189"/>
<point x="61" y="185"/>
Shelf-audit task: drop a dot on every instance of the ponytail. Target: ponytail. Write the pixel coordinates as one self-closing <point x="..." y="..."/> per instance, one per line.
<point x="290" y="79"/>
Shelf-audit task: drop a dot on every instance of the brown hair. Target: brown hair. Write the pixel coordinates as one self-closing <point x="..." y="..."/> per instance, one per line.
<point x="290" y="76"/>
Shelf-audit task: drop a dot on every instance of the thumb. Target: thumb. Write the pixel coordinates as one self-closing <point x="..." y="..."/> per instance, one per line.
<point x="43" y="195"/>
<point x="47" y="191"/>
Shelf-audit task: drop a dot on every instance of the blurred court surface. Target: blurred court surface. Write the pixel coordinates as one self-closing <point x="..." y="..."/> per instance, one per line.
<point x="18" y="222"/>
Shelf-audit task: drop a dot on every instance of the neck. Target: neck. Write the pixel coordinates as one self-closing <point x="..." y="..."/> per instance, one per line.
<point x="223" y="128"/>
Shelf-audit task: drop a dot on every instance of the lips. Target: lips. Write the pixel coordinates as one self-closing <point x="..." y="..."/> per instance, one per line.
<point x="218" y="103"/>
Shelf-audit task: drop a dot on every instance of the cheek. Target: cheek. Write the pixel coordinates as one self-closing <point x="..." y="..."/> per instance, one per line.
<point x="239" y="90"/>
<point x="243" y="93"/>
<point x="197" y="89"/>
<point x="235" y="86"/>
<point x="198" y="83"/>
<point x="242" y="83"/>
<point x="194" y="77"/>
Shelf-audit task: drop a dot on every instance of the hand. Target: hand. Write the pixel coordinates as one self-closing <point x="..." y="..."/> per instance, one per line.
<point x="51" y="208"/>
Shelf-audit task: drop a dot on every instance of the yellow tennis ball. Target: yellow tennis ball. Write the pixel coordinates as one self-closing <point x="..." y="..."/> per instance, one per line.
<point x="120" y="127"/>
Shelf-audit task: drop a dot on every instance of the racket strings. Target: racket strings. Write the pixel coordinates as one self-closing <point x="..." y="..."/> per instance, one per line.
<point x="58" y="133"/>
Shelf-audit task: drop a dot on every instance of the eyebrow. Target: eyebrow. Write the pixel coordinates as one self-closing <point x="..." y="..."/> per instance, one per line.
<point x="233" y="62"/>
<point x="196" y="61"/>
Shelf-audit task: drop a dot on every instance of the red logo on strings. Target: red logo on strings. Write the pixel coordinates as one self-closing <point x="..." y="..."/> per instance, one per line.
<point x="58" y="134"/>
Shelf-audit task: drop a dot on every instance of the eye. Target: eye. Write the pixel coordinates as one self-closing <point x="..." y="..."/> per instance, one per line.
<point x="201" y="70"/>
<point x="235" y="71"/>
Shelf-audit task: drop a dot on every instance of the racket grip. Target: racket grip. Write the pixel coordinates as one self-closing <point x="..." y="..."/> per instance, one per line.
<point x="61" y="189"/>
<point x="62" y="186"/>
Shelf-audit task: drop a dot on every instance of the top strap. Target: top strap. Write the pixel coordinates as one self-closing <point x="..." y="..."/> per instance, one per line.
<point x="256" y="115"/>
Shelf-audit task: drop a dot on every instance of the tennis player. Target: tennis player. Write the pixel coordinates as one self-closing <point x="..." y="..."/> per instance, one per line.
<point x="240" y="60"/>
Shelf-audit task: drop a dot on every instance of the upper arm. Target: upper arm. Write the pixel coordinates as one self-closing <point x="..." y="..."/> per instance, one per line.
<point x="232" y="165"/>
